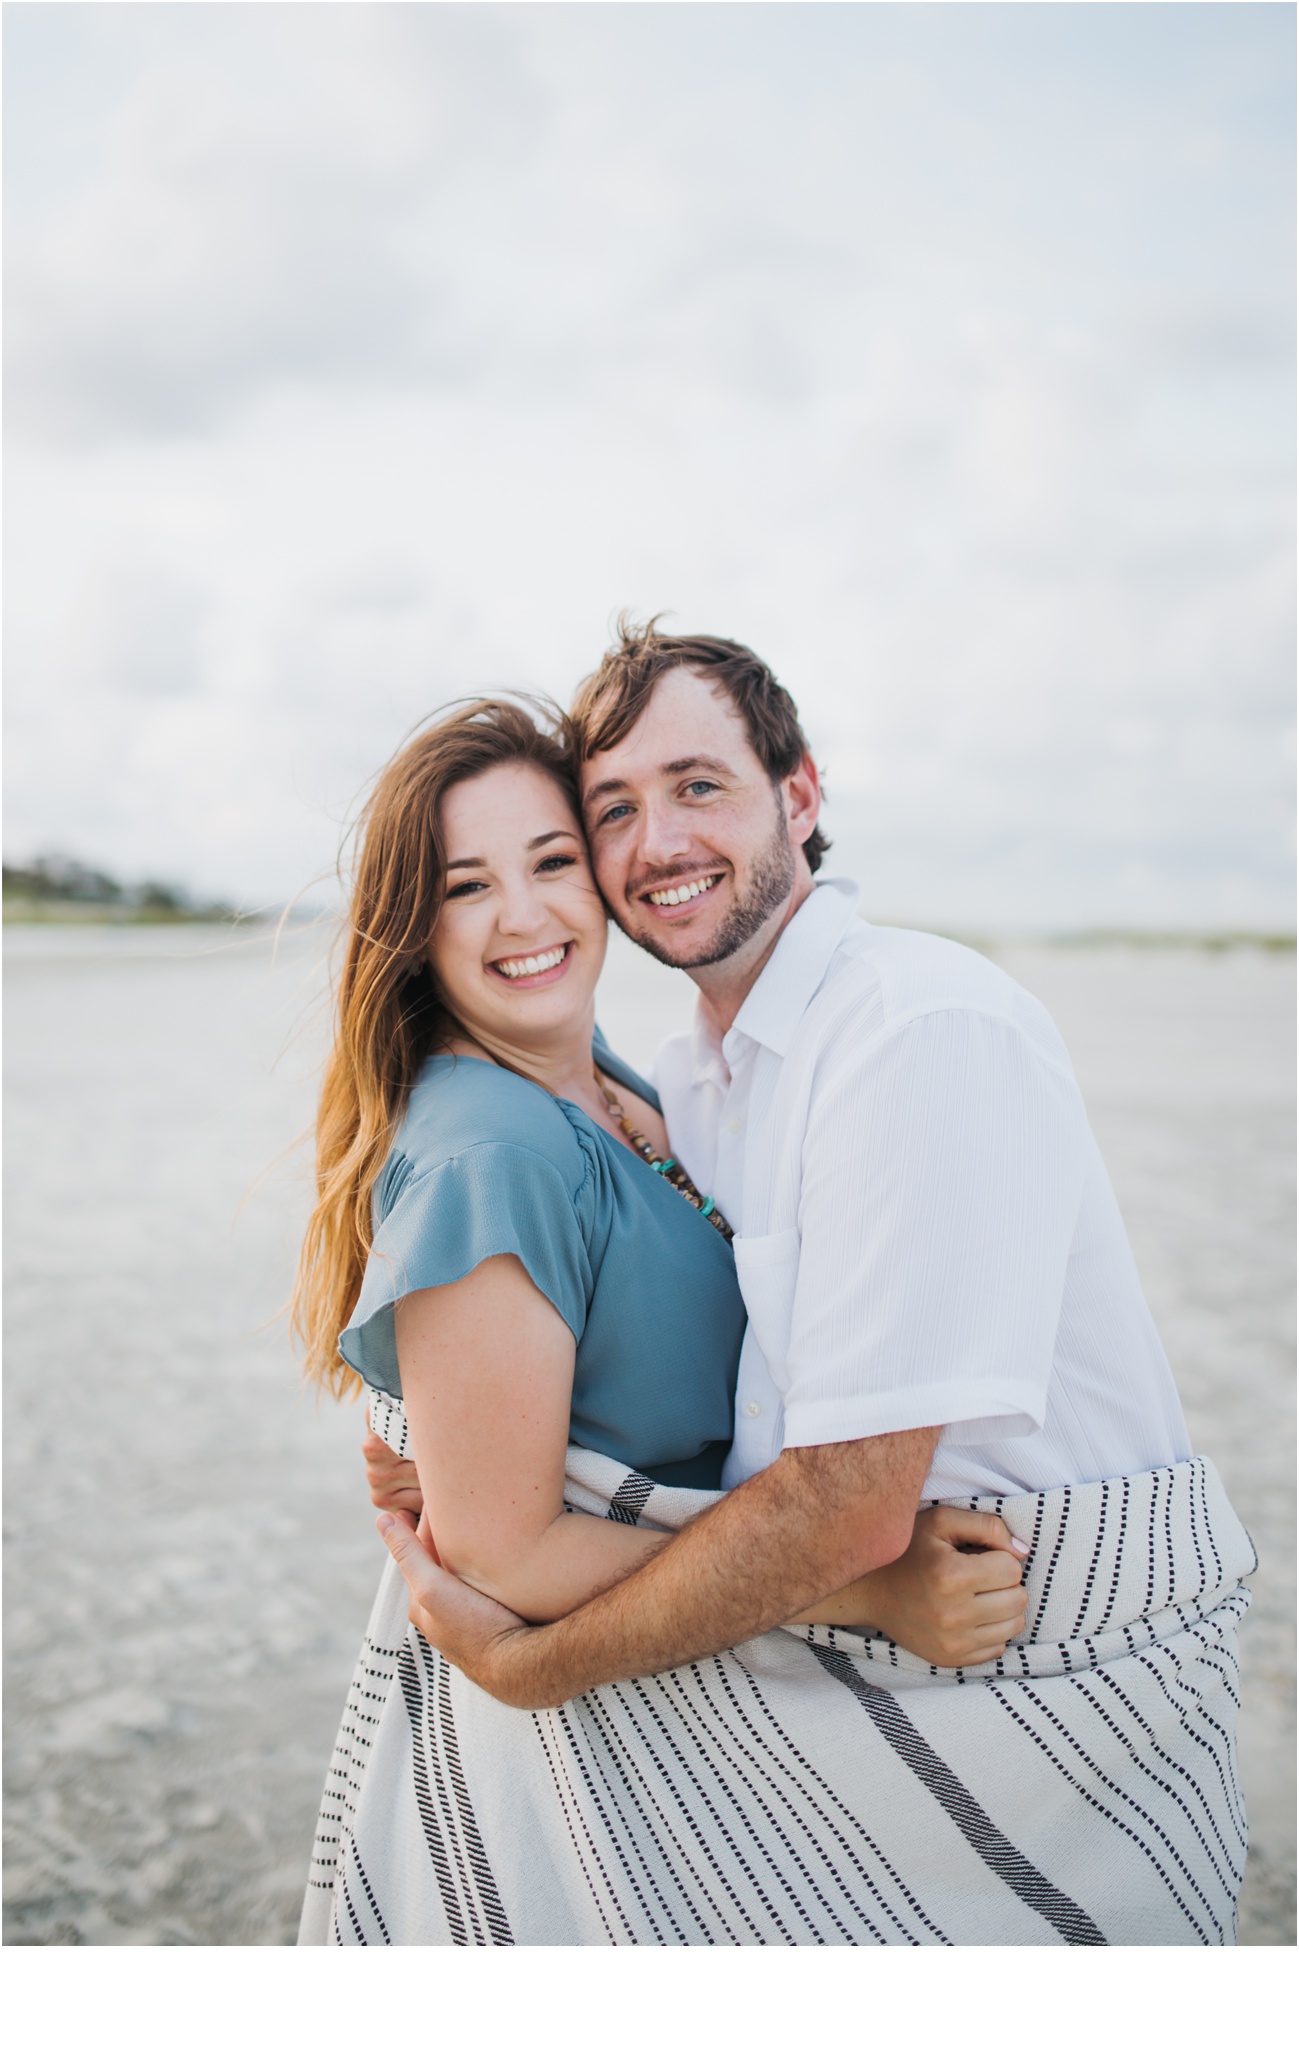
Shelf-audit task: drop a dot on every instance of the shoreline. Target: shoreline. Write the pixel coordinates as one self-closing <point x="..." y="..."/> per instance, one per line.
<point x="26" y="911"/>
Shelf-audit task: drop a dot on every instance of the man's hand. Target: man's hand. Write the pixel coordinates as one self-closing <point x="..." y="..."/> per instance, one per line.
<point x="472" y="1631"/>
<point x="394" y="1482"/>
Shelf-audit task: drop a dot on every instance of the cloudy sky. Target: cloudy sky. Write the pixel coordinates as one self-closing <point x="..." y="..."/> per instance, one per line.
<point x="362" y="356"/>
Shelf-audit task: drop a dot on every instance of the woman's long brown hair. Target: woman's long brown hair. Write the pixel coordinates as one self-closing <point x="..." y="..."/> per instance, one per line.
<point x="389" y="1015"/>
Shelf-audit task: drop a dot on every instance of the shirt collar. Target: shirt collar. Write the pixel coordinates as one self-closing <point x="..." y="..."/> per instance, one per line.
<point x="708" y="1061"/>
<point x="774" y="1006"/>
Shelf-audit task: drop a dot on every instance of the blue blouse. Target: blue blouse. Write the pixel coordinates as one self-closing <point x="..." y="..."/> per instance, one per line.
<point x="485" y="1163"/>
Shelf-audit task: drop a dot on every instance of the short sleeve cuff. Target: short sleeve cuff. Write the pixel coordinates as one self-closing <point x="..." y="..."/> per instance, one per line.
<point x="490" y="1200"/>
<point x="967" y="1411"/>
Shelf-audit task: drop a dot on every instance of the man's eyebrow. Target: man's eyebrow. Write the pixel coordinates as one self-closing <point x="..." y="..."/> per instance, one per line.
<point x="475" y="860"/>
<point x="709" y="761"/>
<point x="603" y="788"/>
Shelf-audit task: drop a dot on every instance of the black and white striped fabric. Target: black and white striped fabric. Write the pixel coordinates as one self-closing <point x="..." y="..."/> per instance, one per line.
<point x="820" y="1786"/>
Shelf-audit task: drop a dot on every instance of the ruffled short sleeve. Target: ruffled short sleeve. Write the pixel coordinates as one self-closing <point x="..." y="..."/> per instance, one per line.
<point x="489" y="1199"/>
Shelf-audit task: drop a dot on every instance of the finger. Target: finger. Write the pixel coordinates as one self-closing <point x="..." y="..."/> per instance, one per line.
<point x="399" y="1488"/>
<point x="408" y="1525"/>
<point x="991" y="1642"/>
<point x="971" y="1525"/>
<point x="964" y="1573"/>
<point x="399" y="1499"/>
<point x="983" y="1571"/>
<point x="991" y="1608"/>
<point x="1004" y="1631"/>
<point x="419" y="1570"/>
<point x="984" y="1653"/>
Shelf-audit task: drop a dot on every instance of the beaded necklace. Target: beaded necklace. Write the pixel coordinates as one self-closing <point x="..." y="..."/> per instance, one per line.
<point x="671" y="1169"/>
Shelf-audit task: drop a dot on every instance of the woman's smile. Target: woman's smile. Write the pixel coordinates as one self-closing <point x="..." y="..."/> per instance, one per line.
<point x="534" y="970"/>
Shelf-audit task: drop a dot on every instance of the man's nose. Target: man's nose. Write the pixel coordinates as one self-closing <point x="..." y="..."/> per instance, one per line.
<point x="664" y="836"/>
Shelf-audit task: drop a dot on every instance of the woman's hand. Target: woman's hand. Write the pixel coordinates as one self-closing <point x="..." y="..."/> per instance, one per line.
<point x="953" y="1597"/>
<point x="394" y="1482"/>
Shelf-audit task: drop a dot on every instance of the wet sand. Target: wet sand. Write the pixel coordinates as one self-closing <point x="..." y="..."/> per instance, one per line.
<point x="190" y="1554"/>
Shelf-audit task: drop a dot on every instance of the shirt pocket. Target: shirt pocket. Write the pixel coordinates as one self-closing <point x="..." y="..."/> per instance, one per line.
<point x="767" y="1268"/>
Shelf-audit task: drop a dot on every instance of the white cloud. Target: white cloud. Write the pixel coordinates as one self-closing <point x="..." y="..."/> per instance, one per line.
<point x="364" y="356"/>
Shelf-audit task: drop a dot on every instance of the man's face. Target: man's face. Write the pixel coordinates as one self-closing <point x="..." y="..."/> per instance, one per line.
<point x="693" y="848"/>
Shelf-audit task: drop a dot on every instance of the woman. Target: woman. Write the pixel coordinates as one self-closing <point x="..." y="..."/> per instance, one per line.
<point x="517" y="1266"/>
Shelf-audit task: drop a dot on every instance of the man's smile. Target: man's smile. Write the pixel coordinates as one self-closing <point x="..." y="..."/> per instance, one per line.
<point x="675" y="893"/>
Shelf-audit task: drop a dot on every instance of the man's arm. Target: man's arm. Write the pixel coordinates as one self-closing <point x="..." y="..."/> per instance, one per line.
<point x="818" y="1518"/>
<point x="954" y="1597"/>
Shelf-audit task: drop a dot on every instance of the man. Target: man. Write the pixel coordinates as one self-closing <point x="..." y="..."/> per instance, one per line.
<point x="941" y="1301"/>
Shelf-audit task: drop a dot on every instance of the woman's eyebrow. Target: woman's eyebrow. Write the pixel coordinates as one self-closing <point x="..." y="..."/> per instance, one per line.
<point x="475" y="860"/>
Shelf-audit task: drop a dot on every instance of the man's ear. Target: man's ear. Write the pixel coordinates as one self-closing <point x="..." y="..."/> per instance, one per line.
<point x="801" y="794"/>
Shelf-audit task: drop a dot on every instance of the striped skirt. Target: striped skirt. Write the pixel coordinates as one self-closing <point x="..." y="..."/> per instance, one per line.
<point x="821" y="1786"/>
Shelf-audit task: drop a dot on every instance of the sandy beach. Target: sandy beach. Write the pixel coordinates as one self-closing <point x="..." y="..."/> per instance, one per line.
<point x="190" y="1551"/>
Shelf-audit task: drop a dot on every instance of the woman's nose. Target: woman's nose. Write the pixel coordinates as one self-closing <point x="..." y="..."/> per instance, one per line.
<point x="522" y="913"/>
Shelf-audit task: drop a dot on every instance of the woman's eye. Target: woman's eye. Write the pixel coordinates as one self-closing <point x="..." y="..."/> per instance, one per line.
<point x="465" y="889"/>
<point x="555" y="861"/>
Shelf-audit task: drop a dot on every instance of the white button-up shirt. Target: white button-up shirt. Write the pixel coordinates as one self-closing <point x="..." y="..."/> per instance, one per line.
<point x="925" y="1232"/>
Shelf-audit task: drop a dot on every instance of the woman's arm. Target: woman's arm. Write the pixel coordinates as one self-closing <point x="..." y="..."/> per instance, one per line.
<point x="487" y="1381"/>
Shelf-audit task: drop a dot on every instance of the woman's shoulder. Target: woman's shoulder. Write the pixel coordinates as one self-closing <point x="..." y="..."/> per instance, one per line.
<point x="484" y="1164"/>
<point x="460" y="1104"/>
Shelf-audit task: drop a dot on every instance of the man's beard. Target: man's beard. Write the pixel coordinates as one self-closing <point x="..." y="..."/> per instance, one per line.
<point x="771" y="881"/>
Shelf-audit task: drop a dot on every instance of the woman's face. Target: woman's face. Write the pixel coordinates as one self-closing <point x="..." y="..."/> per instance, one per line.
<point x="520" y="939"/>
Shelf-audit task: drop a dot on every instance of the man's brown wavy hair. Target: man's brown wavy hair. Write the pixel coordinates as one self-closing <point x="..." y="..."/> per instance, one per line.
<point x="610" y="701"/>
<point x="389" y="1011"/>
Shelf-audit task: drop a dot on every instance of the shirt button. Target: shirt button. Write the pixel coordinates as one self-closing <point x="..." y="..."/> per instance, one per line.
<point x="753" y="1409"/>
<point x="735" y="1125"/>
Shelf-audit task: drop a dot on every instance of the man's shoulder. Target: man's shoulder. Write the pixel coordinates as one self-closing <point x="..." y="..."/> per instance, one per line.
<point x="905" y="973"/>
<point x="884" y="977"/>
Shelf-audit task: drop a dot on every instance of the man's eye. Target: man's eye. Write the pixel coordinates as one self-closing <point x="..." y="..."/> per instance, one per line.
<point x="700" y="788"/>
<point x="613" y="814"/>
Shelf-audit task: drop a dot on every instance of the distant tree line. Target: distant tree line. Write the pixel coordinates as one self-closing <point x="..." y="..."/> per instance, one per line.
<point x="57" y="879"/>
